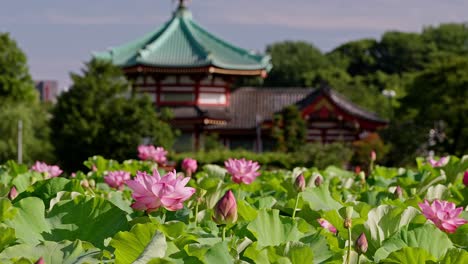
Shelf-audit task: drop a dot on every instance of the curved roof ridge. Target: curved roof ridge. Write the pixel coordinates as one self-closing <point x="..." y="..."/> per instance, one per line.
<point x="159" y="38"/>
<point x="181" y="42"/>
<point x="190" y="36"/>
<point x="224" y="43"/>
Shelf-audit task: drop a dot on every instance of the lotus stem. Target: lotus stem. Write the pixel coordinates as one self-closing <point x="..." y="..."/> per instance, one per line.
<point x="224" y="232"/>
<point x="295" y="206"/>
<point x="348" y="255"/>
<point x="196" y="212"/>
<point x="358" y="258"/>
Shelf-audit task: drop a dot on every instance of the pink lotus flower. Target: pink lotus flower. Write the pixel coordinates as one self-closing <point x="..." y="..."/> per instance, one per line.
<point x="153" y="191"/>
<point x="439" y="163"/>
<point x="226" y="209"/>
<point x="116" y="179"/>
<point x="443" y="214"/>
<point x="13" y="193"/>
<point x="373" y="155"/>
<point x="189" y="165"/>
<point x="40" y="261"/>
<point x="149" y="152"/>
<point x="242" y="171"/>
<point x="327" y="225"/>
<point x="50" y="171"/>
<point x="465" y="178"/>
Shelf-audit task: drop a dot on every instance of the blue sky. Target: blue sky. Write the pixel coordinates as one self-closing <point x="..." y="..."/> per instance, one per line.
<point x="59" y="35"/>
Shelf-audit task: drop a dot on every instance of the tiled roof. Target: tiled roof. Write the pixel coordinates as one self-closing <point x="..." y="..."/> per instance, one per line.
<point x="247" y="103"/>
<point x="190" y="112"/>
<point x="342" y="102"/>
<point x="182" y="43"/>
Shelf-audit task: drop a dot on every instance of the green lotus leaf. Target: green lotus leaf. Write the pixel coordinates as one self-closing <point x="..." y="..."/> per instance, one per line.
<point x="141" y="243"/>
<point x="271" y="229"/>
<point x="319" y="198"/>
<point x="29" y="222"/>
<point x="386" y="220"/>
<point x="409" y="255"/>
<point x="455" y="256"/>
<point x="7" y="236"/>
<point x="7" y="210"/>
<point x="64" y="252"/>
<point x="427" y="237"/>
<point x="319" y="246"/>
<point x="219" y="253"/>
<point x="46" y="190"/>
<point x="439" y="191"/>
<point x="91" y="219"/>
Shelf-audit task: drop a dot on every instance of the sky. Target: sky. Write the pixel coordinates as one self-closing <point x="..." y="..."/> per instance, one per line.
<point x="58" y="36"/>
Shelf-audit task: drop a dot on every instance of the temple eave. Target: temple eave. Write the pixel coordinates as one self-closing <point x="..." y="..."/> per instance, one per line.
<point x="194" y="70"/>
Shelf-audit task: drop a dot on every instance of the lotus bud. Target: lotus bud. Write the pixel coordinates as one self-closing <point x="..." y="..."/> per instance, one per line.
<point x="84" y="183"/>
<point x="225" y="211"/>
<point x="201" y="195"/>
<point x="92" y="183"/>
<point x="40" y="261"/>
<point x="362" y="177"/>
<point x="348" y="222"/>
<point x="299" y="184"/>
<point x="13" y="193"/>
<point x="465" y="178"/>
<point x="357" y="169"/>
<point x="361" y="244"/>
<point x="398" y="192"/>
<point x="318" y="181"/>
<point x="311" y="182"/>
<point x="373" y="155"/>
<point x="327" y="225"/>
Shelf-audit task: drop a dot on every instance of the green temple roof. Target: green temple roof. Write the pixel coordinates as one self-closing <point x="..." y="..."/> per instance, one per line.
<point x="182" y="43"/>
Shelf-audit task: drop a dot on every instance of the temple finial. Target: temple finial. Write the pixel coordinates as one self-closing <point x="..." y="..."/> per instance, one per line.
<point x="182" y="3"/>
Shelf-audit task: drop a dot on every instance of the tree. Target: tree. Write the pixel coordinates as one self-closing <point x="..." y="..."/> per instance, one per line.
<point x="99" y="116"/>
<point x="291" y="60"/>
<point x="437" y="101"/>
<point x="451" y="38"/>
<point x="399" y="52"/>
<point x="290" y="129"/>
<point x="356" y="57"/>
<point x="19" y="100"/>
<point x="15" y="81"/>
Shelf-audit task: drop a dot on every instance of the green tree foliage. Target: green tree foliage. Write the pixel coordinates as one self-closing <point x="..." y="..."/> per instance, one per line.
<point x="439" y="95"/>
<point x="19" y="101"/>
<point x="291" y="60"/>
<point x="290" y="129"/>
<point x="399" y="52"/>
<point x="36" y="144"/>
<point x="100" y="116"/>
<point x="15" y="81"/>
<point x="355" y="57"/>
<point x="448" y="38"/>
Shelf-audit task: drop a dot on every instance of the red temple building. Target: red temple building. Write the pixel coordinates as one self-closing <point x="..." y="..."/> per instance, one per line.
<point x="189" y="70"/>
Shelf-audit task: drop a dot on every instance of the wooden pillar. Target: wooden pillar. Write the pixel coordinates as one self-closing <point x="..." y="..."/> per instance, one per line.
<point x="196" y="132"/>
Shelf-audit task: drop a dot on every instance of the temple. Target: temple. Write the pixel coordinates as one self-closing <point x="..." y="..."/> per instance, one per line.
<point x="191" y="71"/>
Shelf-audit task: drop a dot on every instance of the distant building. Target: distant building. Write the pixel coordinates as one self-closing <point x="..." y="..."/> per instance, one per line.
<point x="48" y="90"/>
<point x="184" y="67"/>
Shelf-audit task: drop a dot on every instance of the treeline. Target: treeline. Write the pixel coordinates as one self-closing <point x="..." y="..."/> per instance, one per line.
<point x="416" y="80"/>
<point x="427" y="72"/>
<point x="98" y="115"/>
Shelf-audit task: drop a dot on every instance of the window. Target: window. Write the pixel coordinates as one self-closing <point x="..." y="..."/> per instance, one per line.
<point x="212" y="98"/>
<point x="177" y="97"/>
